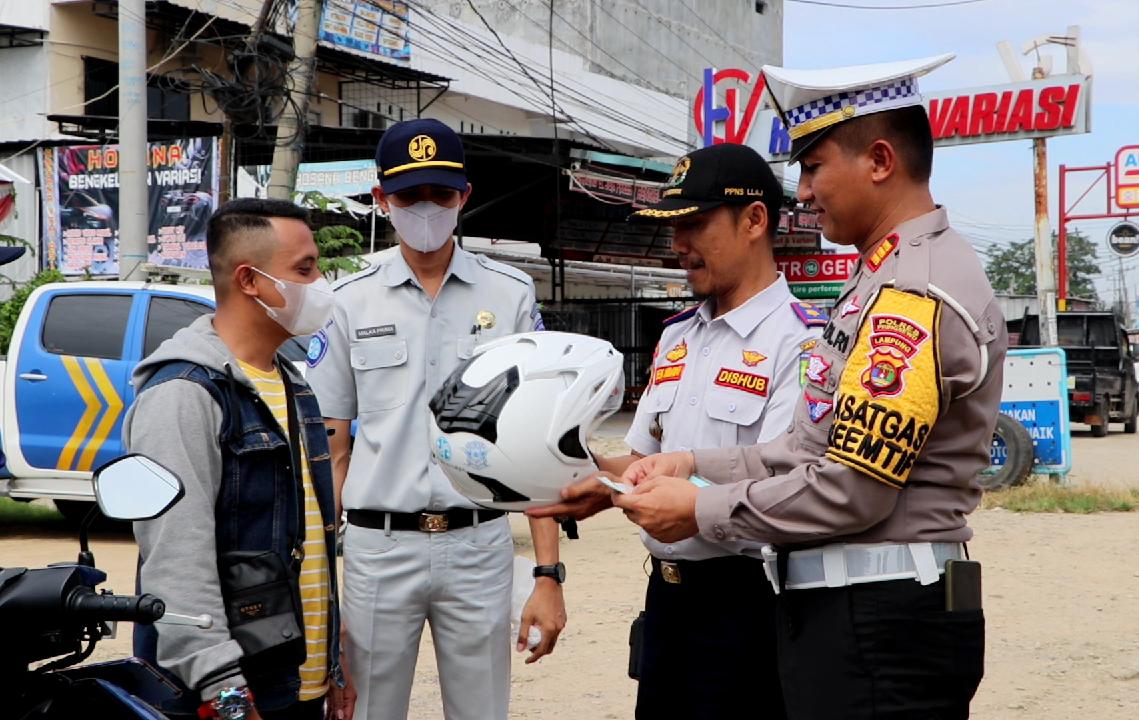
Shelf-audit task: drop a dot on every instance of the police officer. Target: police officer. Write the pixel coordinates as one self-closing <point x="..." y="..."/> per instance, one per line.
<point x="865" y="497"/>
<point x="725" y="373"/>
<point x="415" y="550"/>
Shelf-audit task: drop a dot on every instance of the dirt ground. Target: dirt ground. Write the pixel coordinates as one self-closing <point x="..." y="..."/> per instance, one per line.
<point x="1061" y="595"/>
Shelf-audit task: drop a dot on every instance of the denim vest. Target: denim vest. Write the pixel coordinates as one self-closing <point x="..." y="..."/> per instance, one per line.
<point x="257" y="505"/>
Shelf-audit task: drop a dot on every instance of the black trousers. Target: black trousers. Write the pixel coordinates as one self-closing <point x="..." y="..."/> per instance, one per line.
<point x="888" y="651"/>
<point x="709" y="644"/>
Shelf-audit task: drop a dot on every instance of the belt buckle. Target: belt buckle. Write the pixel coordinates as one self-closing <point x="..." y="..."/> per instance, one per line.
<point x="670" y="571"/>
<point x="432" y="522"/>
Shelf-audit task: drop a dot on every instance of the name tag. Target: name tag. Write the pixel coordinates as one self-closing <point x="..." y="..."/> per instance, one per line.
<point x="374" y="332"/>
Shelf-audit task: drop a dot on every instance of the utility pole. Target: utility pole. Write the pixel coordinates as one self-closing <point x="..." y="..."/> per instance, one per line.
<point x="291" y="125"/>
<point x="134" y="223"/>
<point x="1045" y="275"/>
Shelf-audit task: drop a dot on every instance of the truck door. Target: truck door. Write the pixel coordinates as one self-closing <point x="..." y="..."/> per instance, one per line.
<point x="72" y="379"/>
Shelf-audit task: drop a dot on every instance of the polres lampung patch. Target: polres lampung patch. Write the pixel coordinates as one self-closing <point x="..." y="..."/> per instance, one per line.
<point x="889" y="394"/>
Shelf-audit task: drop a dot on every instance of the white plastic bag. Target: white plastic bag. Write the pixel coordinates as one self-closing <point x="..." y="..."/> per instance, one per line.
<point x="523" y="586"/>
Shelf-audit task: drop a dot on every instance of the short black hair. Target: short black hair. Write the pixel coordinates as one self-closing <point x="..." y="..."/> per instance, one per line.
<point x="907" y="129"/>
<point x="235" y="220"/>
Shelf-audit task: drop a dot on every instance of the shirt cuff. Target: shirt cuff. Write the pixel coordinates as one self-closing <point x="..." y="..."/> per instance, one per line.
<point x="718" y="465"/>
<point x="714" y="513"/>
<point x="642" y="443"/>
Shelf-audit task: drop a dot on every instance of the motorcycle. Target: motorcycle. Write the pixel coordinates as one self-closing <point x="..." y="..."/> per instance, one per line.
<point x="55" y="613"/>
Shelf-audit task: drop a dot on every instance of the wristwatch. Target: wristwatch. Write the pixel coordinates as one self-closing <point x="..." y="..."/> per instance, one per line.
<point x="232" y="703"/>
<point x="557" y="571"/>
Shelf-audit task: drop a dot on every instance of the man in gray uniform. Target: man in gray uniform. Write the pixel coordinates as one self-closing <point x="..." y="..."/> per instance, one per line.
<point x="725" y="373"/>
<point x="865" y="497"/>
<point x="415" y="550"/>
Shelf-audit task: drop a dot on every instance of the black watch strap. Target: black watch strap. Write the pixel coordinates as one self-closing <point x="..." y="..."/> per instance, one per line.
<point x="557" y="571"/>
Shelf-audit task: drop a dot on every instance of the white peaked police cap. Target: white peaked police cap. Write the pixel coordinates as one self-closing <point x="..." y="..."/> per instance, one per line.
<point x="813" y="101"/>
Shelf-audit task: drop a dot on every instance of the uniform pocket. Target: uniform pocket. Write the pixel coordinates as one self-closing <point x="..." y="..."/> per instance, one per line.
<point x="382" y="373"/>
<point x="737" y="408"/>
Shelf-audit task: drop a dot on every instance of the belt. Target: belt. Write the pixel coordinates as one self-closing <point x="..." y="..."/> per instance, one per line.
<point x="840" y="565"/>
<point x="425" y="521"/>
<point x="711" y="570"/>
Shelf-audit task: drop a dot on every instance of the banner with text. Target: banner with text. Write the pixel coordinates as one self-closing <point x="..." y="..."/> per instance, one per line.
<point x="81" y="205"/>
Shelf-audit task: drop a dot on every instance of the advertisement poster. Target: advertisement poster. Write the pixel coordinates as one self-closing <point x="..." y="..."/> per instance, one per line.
<point x="81" y="205"/>
<point x="375" y="27"/>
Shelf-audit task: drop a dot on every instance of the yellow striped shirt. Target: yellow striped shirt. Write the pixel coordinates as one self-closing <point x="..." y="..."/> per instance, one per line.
<point x="314" y="567"/>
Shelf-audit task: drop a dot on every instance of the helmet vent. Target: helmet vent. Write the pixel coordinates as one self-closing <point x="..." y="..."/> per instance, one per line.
<point x="459" y="407"/>
<point x="499" y="492"/>
<point x="570" y="444"/>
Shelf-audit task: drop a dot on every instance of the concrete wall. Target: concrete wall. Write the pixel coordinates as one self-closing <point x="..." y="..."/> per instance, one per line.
<point x="660" y="44"/>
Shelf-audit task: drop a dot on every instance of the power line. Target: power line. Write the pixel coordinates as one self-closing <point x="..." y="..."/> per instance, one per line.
<point x="455" y="35"/>
<point x="919" y="6"/>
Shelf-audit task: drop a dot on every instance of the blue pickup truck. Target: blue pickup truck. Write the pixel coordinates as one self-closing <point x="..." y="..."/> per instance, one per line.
<point x="66" y="382"/>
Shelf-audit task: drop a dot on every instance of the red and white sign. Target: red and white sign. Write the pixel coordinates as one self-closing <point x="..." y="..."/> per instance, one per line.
<point x="817" y="267"/>
<point x="1057" y="105"/>
<point x="1037" y="108"/>
<point x="1127" y="176"/>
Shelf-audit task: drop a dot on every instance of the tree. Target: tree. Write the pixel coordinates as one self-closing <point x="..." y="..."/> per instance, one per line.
<point x="1013" y="269"/>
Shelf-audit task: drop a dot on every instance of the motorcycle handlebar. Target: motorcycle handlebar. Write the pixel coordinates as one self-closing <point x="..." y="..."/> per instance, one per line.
<point x="85" y="604"/>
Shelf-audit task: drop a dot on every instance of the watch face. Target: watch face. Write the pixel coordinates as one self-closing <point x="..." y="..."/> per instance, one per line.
<point x="560" y="569"/>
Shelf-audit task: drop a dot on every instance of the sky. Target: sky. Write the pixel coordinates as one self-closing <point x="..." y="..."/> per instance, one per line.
<point x="988" y="188"/>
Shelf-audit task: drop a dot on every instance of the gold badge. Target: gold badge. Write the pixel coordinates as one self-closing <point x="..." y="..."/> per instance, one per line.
<point x="421" y="148"/>
<point x="679" y="172"/>
<point x="485" y="319"/>
<point x="678" y="353"/>
<point x="752" y="358"/>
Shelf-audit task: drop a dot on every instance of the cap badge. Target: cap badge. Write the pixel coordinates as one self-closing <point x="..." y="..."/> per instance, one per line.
<point x="679" y="172"/>
<point x="421" y="148"/>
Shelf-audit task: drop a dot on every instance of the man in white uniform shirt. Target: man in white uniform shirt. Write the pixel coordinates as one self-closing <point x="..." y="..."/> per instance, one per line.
<point x="415" y="550"/>
<point x="725" y="373"/>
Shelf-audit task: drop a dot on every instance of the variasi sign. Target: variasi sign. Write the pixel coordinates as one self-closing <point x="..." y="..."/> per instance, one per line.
<point x="1127" y="176"/>
<point x="1057" y="105"/>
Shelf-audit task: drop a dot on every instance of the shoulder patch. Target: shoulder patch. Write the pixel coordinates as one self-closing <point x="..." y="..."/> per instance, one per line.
<point x="681" y="316"/>
<point x="889" y="394"/>
<point x="812" y="315"/>
<point x="504" y="269"/>
<point x="359" y="275"/>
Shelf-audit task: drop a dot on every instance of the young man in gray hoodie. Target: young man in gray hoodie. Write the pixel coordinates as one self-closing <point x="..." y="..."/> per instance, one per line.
<point x="213" y="407"/>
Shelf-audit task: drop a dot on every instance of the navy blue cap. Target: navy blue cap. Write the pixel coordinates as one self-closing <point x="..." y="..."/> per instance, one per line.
<point x="420" y="152"/>
<point x="9" y="253"/>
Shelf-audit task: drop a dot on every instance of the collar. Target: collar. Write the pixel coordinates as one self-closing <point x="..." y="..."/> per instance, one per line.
<point x="396" y="271"/>
<point x="747" y="317"/>
<point x="932" y="223"/>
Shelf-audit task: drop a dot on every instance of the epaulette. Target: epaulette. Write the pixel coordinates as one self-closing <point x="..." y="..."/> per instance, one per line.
<point x="681" y="316"/>
<point x="359" y="274"/>
<point x="507" y="270"/>
<point x="812" y="315"/>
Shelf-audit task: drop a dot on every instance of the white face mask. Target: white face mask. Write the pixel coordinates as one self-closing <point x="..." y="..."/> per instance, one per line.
<point x="424" y="226"/>
<point x="307" y="305"/>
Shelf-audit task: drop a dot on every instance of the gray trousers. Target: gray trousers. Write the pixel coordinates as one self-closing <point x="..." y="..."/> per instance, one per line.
<point x="459" y="582"/>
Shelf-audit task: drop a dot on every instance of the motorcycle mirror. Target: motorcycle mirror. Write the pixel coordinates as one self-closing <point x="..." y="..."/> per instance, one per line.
<point x="134" y="487"/>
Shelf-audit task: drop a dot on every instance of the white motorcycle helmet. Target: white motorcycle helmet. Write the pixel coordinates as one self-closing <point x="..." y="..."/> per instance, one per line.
<point x="509" y="426"/>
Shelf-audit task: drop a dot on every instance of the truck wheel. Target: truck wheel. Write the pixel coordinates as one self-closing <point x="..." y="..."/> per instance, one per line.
<point x="1129" y="424"/>
<point x="1018" y="462"/>
<point x="73" y="511"/>
<point x="1101" y="410"/>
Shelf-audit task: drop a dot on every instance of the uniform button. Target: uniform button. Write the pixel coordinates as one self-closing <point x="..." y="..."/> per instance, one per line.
<point x="670" y="550"/>
<point x="692" y="400"/>
<point x="718" y="532"/>
<point x="434" y="313"/>
<point x="432" y="362"/>
<point x="434" y="461"/>
<point x="731" y="407"/>
<point x="706" y="352"/>
<point x="399" y="355"/>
